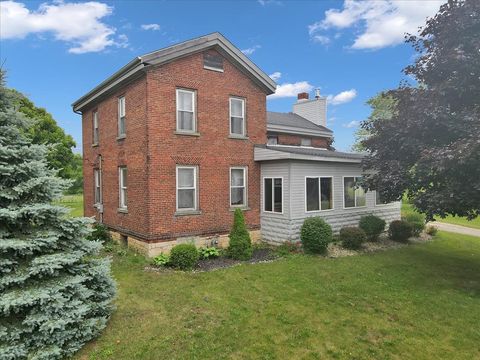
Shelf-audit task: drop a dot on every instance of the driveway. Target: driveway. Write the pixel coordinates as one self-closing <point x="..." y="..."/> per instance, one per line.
<point x="455" y="228"/>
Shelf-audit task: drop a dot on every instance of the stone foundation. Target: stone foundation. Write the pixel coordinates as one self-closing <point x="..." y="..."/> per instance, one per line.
<point x="152" y="249"/>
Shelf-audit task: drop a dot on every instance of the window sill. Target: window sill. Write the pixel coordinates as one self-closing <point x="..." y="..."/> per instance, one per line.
<point x="187" y="133"/>
<point x="237" y="137"/>
<point x="121" y="137"/>
<point x="95" y="145"/>
<point x="122" y="210"/>
<point x="187" y="212"/>
<point x="243" y="208"/>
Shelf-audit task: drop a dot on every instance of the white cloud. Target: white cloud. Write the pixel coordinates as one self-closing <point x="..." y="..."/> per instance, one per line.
<point x="153" y="27"/>
<point x="276" y="75"/>
<point x="321" y="39"/>
<point x="291" y="89"/>
<point x="351" y="124"/>
<point x="270" y="2"/>
<point x="343" y="97"/>
<point x="78" y="24"/>
<point x="382" y="23"/>
<point x="251" y="50"/>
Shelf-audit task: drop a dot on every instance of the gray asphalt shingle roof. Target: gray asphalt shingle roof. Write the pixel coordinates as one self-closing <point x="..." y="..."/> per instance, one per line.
<point x="313" y="151"/>
<point x="293" y="120"/>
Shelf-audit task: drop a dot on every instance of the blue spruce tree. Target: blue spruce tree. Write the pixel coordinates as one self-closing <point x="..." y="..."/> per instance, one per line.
<point x="56" y="293"/>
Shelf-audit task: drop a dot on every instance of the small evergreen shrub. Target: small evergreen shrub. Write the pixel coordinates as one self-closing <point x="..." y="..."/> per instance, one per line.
<point x="161" y="260"/>
<point x="184" y="256"/>
<point x="431" y="230"/>
<point x="209" y="252"/>
<point x="373" y="226"/>
<point x="352" y="237"/>
<point x="417" y="221"/>
<point x="315" y="235"/>
<point x="100" y="233"/>
<point x="240" y="246"/>
<point x="400" y="230"/>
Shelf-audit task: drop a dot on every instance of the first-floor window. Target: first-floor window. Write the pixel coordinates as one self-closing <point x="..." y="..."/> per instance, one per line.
<point x="122" y="181"/>
<point x="97" y="180"/>
<point x="238" y="186"/>
<point x="353" y="194"/>
<point x="186" y="188"/>
<point x="319" y="193"/>
<point x="273" y="195"/>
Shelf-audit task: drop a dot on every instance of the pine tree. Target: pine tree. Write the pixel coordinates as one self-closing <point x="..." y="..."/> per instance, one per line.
<point x="240" y="246"/>
<point x="55" y="291"/>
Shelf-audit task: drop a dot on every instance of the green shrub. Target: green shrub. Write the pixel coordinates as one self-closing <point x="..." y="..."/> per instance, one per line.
<point x="417" y="221"/>
<point x="431" y="230"/>
<point x="373" y="226"/>
<point x="240" y="246"/>
<point x="400" y="230"/>
<point x="209" y="252"/>
<point x="315" y="235"/>
<point x="184" y="256"/>
<point x="161" y="260"/>
<point x="287" y="248"/>
<point x="352" y="237"/>
<point x="100" y="233"/>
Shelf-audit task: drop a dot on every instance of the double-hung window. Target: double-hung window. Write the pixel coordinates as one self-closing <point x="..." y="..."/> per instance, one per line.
<point x="273" y="195"/>
<point x="186" y="118"/>
<point x="122" y="185"/>
<point x="121" y="117"/>
<point x="95" y="128"/>
<point x="238" y="186"/>
<point x="186" y="188"/>
<point x="318" y="193"/>
<point x="353" y="194"/>
<point x="97" y="186"/>
<point x="237" y="117"/>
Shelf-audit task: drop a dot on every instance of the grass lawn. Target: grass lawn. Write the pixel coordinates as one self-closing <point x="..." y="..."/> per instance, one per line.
<point x="417" y="302"/>
<point x="475" y="223"/>
<point x="74" y="202"/>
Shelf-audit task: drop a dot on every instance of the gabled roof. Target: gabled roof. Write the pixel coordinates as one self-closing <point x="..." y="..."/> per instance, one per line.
<point x="284" y="152"/>
<point x="294" y="124"/>
<point x="215" y="40"/>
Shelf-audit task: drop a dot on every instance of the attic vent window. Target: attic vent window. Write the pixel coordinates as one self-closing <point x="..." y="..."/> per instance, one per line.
<point x="213" y="62"/>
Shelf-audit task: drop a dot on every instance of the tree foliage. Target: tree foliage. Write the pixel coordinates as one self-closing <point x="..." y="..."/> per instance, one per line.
<point x="55" y="292"/>
<point x="430" y="147"/>
<point x="240" y="245"/>
<point x="45" y="130"/>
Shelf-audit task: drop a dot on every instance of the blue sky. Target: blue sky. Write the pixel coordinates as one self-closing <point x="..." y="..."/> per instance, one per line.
<point x="54" y="52"/>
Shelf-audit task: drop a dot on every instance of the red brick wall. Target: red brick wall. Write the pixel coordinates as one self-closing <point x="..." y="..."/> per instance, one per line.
<point x="287" y="139"/>
<point x="130" y="152"/>
<point x="213" y="151"/>
<point x="151" y="159"/>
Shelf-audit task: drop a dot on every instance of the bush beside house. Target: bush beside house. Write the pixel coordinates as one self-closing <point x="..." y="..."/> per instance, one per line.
<point x="352" y="237"/>
<point x="400" y="230"/>
<point x="240" y="246"/>
<point x="373" y="226"/>
<point x="184" y="256"/>
<point x="315" y="235"/>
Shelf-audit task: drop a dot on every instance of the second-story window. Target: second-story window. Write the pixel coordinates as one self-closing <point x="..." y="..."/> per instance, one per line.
<point x="186" y="111"/>
<point x="121" y="117"/>
<point x="237" y="117"/>
<point x="95" y="128"/>
<point x="272" y="140"/>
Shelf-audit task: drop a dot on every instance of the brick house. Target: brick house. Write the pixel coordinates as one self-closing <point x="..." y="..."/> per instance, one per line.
<point x="178" y="138"/>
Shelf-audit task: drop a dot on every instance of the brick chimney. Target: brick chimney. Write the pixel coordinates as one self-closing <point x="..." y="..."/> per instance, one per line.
<point x="314" y="110"/>
<point x="302" y="96"/>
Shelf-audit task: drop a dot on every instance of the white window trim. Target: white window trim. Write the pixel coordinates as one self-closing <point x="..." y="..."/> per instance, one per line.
<point x="245" y="186"/>
<point x="355" y="198"/>
<point x="273" y="193"/>
<point x="95" y="128"/>
<point x="319" y="194"/>
<point x="193" y="94"/>
<point x="122" y="188"/>
<point x="99" y="185"/>
<point x="120" y="116"/>
<point x="244" y="126"/>
<point x="195" y="188"/>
